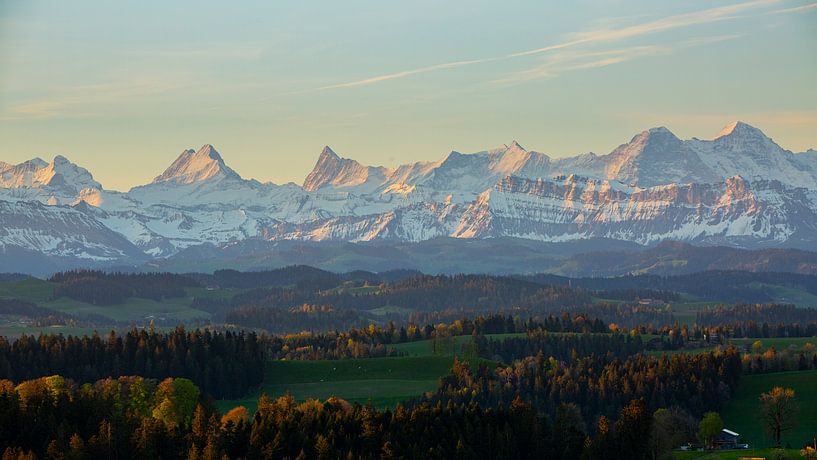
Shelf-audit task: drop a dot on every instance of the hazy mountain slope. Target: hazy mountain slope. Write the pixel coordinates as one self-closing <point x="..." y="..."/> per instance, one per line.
<point x="594" y="257"/>
<point x="62" y="232"/>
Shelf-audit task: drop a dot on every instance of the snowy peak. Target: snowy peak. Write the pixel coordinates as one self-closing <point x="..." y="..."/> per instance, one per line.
<point x="740" y="137"/>
<point x="515" y="159"/>
<point x="740" y="129"/>
<point x="61" y="175"/>
<point x="20" y="175"/>
<point x="196" y="166"/>
<point x="332" y="170"/>
<point x="740" y="188"/>
<point x="655" y="157"/>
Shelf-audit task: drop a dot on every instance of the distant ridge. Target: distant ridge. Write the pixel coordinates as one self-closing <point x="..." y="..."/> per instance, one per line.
<point x="739" y="189"/>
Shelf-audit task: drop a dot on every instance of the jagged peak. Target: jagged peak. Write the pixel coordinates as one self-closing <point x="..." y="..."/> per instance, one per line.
<point x="36" y="162"/>
<point x="739" y="128"/>
<point x="195" y="166"/>
<point x="37" y="173"/>
<point x="32" y="164"/>
<point x="63" y="171"/>
<point x="328" y="152"/>
<point x="331" y="168"/>
<point x="210" y="151"/>
<point x="659" y="131"/>
<point x="514" y="145"/>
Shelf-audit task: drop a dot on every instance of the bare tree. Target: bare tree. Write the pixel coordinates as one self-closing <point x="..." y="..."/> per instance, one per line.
<point x="778" y="412"/>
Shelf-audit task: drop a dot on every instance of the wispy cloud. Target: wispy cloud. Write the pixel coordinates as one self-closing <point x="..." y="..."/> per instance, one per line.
<point x="796" y="9"/>
<point x="650" y="27"/>
<point x="33" y="110"/>
<point x="566" y="61"/>
<point x="73" y="102"/>
<point x="593" y="37"/>
<point x="405" y="73"/>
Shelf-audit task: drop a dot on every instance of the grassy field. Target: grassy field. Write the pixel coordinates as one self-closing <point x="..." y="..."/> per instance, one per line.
<point x="791" y="454"/>
<point x="384" y="381"/>
<point x="133" y="309"/>
<point x="686" y="312"/>
<point x="740" y="413"/>
<point x="425" y="347"/>
<point x="390" y="309"/>
<point x="31" y="289"/>
<point x="799" y="297"/>
<point x="16" y="330"/>
<point x="686" y="351"/>
<point x="779" y="343"/>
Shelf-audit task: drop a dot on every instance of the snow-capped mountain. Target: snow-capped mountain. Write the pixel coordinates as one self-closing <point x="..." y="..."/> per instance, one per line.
<point x="61" y="232"/>
<point x="58" y="182"/>
<point x="739" y="189"/>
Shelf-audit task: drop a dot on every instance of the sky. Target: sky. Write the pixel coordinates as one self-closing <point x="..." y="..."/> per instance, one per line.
<point x="123" y="87"/>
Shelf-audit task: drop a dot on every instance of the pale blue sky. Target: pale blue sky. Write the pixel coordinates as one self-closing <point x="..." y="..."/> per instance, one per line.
<point x="123" y="87"/>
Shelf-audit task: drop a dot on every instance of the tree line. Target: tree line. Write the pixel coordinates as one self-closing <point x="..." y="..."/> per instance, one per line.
<point x="305" y="317"/>
<point x="223" y="364"/>
<point x="722" y="285"/>
<point x="102" y="288"/>
<point x="562" y="347"/>
<point x="133" y="417"/>
<point x="373" y="341"/>
<point x="761" y="320"/>
<point x="422" y="292"/>
<point x="600" y="385"/>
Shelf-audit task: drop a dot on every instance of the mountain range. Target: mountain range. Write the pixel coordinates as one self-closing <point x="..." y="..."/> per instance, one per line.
<point x="739" y="189"/>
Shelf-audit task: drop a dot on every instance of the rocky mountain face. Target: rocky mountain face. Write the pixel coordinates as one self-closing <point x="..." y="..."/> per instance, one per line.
<point x="739" y="189"/>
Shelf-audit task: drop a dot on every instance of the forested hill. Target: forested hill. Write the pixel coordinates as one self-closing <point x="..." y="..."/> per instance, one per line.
<point x="716" y="285"/>
<point x="584" y="258"/>
<point x="295" y="275"/>
<point x="299" y="284"/>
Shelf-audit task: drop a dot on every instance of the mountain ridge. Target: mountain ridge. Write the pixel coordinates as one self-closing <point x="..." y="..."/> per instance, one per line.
<point x="740" y="189"/>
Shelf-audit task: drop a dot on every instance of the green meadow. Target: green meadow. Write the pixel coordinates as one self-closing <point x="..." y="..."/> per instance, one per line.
<point x="741" y="411"/>
<point x="383" y="381"/>
<point x="133" y="309"/>
<point x="789" y="454"/>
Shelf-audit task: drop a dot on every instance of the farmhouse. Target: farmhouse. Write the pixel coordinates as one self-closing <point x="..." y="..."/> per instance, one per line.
<point x="728" y="439"/>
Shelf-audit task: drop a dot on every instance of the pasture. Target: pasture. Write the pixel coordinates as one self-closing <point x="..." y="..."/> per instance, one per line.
<point x="383" y="381"/>
<point x="741" y="411"/>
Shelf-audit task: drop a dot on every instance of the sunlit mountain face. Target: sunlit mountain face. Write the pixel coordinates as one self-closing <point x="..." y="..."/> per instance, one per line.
<point x="739" y="189"/>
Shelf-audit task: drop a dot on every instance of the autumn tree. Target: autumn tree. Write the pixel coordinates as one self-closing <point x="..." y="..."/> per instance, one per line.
<point x="633" y="424"/>
<point x="176" y="399"/>
<point x="778" y="412"/>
